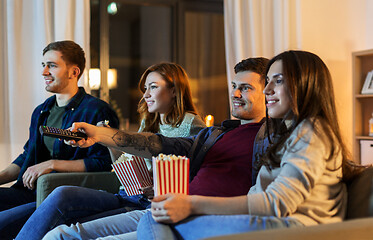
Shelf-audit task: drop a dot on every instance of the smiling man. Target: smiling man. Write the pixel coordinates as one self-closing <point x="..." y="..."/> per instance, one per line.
<point x="63" y="64"/>
<point x="230" y="157"/>
<point x="247" y="89"/>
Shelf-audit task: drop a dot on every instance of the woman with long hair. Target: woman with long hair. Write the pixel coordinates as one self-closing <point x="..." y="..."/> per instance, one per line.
<point x="167" y="101"/>
<point x="301" y="170"/>
<point x="166" y="108"/>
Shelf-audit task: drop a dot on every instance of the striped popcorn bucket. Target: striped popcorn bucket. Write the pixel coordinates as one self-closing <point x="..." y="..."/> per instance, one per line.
<point x="133" y="175"/>
<point x="171" y="176"/>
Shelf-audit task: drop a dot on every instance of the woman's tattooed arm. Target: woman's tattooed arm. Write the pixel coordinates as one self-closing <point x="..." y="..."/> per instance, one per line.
<point x="141" y="142"/>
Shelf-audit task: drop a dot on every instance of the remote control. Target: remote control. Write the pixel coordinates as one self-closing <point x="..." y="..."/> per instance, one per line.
<point x="61" y="133"/>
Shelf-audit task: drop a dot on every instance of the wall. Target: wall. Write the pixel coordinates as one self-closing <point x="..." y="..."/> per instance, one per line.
<point x="333" y="29"/>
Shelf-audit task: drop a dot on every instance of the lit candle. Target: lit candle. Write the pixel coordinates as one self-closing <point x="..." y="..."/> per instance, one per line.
<point x="209" y="120"/>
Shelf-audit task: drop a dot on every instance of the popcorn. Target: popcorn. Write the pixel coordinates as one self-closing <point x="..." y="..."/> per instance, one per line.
<point x="170" y="157"/>
<point x="171" y="174"/>
<point x="124" y="157"/>
<point x="132" y="173"/>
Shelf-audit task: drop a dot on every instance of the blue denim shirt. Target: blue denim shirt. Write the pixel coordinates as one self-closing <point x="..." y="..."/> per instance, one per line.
<point x="82" y="108"/>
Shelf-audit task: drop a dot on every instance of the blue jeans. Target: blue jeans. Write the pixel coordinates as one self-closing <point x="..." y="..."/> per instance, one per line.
<point x="70" y="204"/>
<point x="198" y="227"/>
<point x="120" y="226"/>
<point x="16" y="206"/>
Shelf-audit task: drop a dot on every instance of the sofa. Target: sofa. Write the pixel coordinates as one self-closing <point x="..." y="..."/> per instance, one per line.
<point x="106" y="181"/>
<point x="357" y="225"/>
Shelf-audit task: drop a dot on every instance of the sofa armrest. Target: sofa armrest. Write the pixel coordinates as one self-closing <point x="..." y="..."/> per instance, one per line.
<point x="350" y="229"/>
<point x="360" y="195"/>
<point x="106" y="181"/>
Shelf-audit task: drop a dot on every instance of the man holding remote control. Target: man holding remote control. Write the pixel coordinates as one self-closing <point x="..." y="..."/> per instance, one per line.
<point x="63" y="65"/>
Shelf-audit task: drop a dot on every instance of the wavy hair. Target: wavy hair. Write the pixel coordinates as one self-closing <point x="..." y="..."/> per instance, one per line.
<point x="176" y="77"/>
<point x="309" y="85"/>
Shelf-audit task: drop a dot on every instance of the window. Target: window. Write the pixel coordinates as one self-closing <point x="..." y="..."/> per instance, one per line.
<point x="129" y="36"/>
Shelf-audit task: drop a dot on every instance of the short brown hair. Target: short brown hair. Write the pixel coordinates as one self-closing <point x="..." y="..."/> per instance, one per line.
<point x="257" y="65"/>
<point x="72" y="53"/>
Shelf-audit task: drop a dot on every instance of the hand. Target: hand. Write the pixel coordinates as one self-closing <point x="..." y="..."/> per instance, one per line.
<point x="171" y="208"/>
<point x="86" y="128"/>
<point x="34" y="172"/>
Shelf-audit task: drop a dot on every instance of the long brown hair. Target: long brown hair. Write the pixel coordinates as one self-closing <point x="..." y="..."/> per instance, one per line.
<point x="309" y="85"/>
<point x="176" y="77"/>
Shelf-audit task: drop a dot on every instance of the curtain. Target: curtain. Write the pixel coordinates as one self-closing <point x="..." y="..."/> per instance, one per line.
<point x="26" y="27"/>
<point x="205" y="63"/>
<point x="262" y="28"/>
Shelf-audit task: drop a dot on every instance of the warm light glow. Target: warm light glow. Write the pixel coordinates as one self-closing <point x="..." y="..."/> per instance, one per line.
<point x="209" y="120"/>
<point x="112" y="78"/>
<point x="95" y="78"/>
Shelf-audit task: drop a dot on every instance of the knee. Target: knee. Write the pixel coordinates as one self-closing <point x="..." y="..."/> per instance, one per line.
<point x="60" y="195"/>
<point x="146" y="218"/>
<point x="74" y="231"/>
<point x="144" y="226"/>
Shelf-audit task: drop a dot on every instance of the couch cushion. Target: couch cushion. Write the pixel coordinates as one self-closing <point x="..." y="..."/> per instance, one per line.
<point x="360" y="195"/>
<point x="357" y="229"/>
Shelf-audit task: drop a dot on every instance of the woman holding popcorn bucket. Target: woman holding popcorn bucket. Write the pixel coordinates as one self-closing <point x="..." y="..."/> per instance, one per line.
<point x="167" y="108"/>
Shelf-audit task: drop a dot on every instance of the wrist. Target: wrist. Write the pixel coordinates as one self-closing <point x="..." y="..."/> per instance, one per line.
<point x="52" y="164"/>
<point x="101" y="133"/>
<point x="193" y="203"/>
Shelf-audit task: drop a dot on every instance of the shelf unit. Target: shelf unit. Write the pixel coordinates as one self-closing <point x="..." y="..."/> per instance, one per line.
<point x="362" y="63"/>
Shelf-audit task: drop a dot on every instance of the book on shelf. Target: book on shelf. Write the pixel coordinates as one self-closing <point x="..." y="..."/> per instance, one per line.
<point x="368" y="84"/>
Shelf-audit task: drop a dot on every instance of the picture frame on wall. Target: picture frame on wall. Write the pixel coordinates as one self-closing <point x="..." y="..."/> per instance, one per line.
<point x="368" y="84"/>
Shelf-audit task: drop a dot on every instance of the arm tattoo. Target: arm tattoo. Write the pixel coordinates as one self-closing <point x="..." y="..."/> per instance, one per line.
<point x="139" y="141"/>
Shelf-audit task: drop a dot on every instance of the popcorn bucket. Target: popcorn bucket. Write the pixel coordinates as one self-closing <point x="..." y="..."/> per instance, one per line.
<point x="171" y="174"/>
<point x="133" y="175"/>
